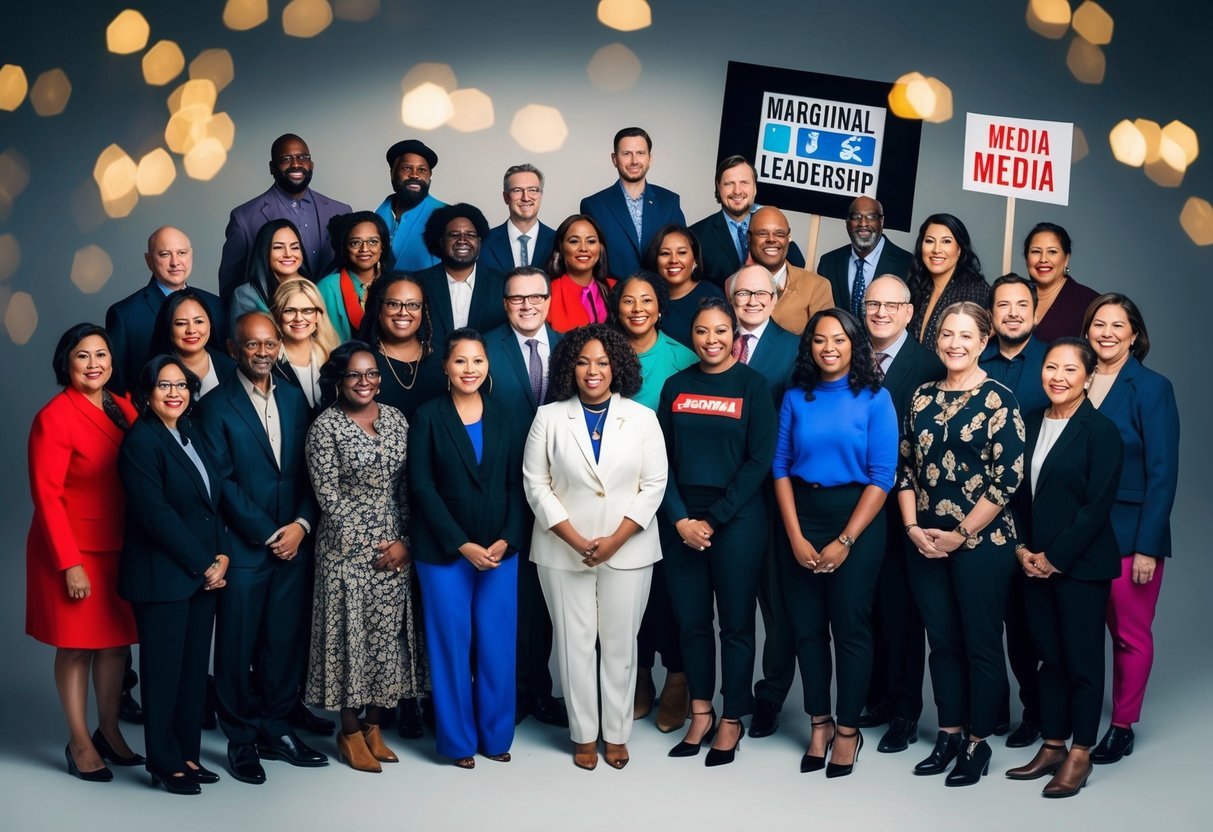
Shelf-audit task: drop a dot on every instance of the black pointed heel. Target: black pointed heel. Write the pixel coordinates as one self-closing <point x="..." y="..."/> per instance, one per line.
<point x="724" y="756"/>
<point x="838" y="769"/>
<point x="810" y="762"/>
<point x="108" y="753"/>
<point x="101" y="775"/>
<point x="690" y="749"/>
<point x="173" y="785"/>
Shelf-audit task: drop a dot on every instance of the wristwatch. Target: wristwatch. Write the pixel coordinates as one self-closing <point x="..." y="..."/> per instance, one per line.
<point x="846" y="540"/>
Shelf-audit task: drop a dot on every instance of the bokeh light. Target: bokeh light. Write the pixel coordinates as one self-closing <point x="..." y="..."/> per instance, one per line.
<point x="1162" y="174"/>
<point x="942" y="111"/>
<point x="242" y="15"/>
<point x="205" y="159"/>
<point x="473" y="110"/>
<point x="614" y="68"/>
<point x="1128" y="144"/>
<point x="50" y="93"/>
<point x="122" y="206"/>
<point x="21" y="318"/>
<point x="1151" y="132"/>
<point x="1093" y="24"/>
<point x="10" y="256"/>
<point x="91" y="269"/>
<point x="1086" y="62"/>
<point x="539" y="128"/>
<point x="162" y="63"/>
<point x="433" y="73"/>
<point x="355" y="11"/>
<point x="220" y="126"/>
<point x="155" y="173"/>
<point x="127" y="33"/>
<point x="1049" y="18"/>
<point x="912" y="96"/>
<point x="306" y="18"/>
<point x="13" y="87"/>
<point x="199" y="92"/>
<point x="426" y="107"/>
<point x="1080" y="147"/>
<point x="214" y="65"/>
<point x="14" y="173"/>
<point x="1196" y="218"/>
<point x="625" y="15"/>
<point x="186" y="128"/>
<point x="1185" y="138"/>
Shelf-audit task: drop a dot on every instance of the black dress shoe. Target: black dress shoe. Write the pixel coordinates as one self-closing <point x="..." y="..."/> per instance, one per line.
<point x="870" y="717"/>
<point x="1026" y="733"/>
<point x="549" y="710"/>
<point x="100" y="775"/>
<point x="972" y="764"/>
<point x="947" y="746"/>
<point x="293" y="750"/>
<point x="841" y="769"/>
<point x="108" y="753"/>
<point x="244" y="764"/>
<point x="301" y="717"/>
<point x="408" y="720"/>
<point x="765" y="720"/>
<point x="129" y="710"/>
<point x="201" y="776"/>
<point x="901" y="733"/>
<point x="1117" y="743"/>
<point x="724" y="756"/>
<point x="172" y="784"/>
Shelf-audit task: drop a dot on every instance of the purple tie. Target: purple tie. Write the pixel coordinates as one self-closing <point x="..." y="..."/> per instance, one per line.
<point x="535" y="369"/>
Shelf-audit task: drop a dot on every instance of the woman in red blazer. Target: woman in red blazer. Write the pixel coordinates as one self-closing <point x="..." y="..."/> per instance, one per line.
<point x="73" y="546"/>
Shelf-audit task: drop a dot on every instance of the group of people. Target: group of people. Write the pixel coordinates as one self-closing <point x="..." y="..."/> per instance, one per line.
<point x="395" y="465"/>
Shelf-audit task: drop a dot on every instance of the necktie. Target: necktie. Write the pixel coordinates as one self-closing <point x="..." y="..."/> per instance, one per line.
<point x="857" y="291"/>
<point x="535" y="370"/>
<point x="741" y="349"/>
<point x="523" y="256"/>
<point x="879" y="358"/>
<point x="743" y="241"/>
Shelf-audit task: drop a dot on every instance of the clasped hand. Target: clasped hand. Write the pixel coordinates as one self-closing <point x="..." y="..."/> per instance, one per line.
<point x="395" y="555"/>
<point x="214" y="575"/>
<point x="695" y="533"/>
<point x="929" y="544"/>
<point x="285" y="542"/>
<point x="484" y="558"/>
<point x="1035" y="564"/>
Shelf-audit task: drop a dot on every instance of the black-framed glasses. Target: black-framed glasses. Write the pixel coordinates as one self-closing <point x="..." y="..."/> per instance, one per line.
<point x="891" y="305"/>
<point x="870" y="217"/>
<point x="533" y="300"/>
<point x="392" y="305"/>
<point x="762" y="296"/>
<point x="287" y="158"/>
<point x="167" y="386"/>
<point x="355" y="243"/>
<point x="355" y="376"/>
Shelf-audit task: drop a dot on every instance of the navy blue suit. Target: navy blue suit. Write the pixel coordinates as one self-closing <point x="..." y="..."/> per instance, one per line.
<point x="716" y="243"/>
<point x="129" y="323"/>
<point x="775" y="357"/>
<point x="835" y="266"/>
<point x="497" y="254"/>
<point x="264" y="609"/>
<point x="487" y="311"/>
<point x="610" y="209"/>
<point x="1020" y="374"/>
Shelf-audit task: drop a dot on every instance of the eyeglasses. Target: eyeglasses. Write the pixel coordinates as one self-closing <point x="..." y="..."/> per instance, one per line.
<point x="355" y="243"/>
<point x="300" y="312"/>
<point x="868" y="217"/>
<point x="456" y="236"/>
<point x="167" y="386"/>
<point x="891" y="305"/>
<point x="762" y="296"/>
<point x="287" y="158"/>
<point x="392" y="305"/>
<point x="763" y="234"/>
<point x="533" y="300"/>
<point x="517" y="192"/>
<point x="355" y="376"/>
<point x="269" y="345"/>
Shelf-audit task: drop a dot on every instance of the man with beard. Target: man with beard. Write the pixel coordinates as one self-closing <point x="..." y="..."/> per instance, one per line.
<point x="724" y="235"/>
<point x="630" y="211"/>
<point x="852" y="268"/>
<point x="800" y="293"/>
<point x="522" y="240"/>
<point x="290" y="198"/>
<point x="458" y="293"/>
<point x="408" y="208"/>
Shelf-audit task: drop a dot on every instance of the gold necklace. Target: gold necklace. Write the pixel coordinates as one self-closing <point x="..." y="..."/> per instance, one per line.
<point x="596" y="434"/>
<point x="414" y="365"/>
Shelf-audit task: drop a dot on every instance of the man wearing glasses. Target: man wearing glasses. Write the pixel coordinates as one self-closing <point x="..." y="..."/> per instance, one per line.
<point x="290" y="198"/>
<point x="522" y="240"/>
<point x="459" y="291"/>
<point x="851" y="268"/>
<point x="800" y="293"/>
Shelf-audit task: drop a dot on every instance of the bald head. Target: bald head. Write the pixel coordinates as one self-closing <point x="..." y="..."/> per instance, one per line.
<point x="769" y="238"/>
<point x="170" y="257"/>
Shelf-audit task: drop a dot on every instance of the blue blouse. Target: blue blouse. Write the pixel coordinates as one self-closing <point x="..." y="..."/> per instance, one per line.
<point x="596" y="420"/>
<point x="476" y="434"/>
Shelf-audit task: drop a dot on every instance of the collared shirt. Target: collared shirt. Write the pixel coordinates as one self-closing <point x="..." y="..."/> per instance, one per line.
<point x="780" y="278"/>
<point x="1021" y="372"/>
<point x="514" y="232"/>
<point x="545" y="350"/>
<point x="192" y="452"/>
<point x="742" y="249"/>
<point x="407" y="233"/>
<point x="636" y="209"/>
<point x="869" y="262"/>
<point x="266" y="408"/>
<point x="302" y="211"/>
<point x="891" y="351"/>
<point x="167" y="290"/>
<point x="461" y="297"/>
<point x="756" y="332"/>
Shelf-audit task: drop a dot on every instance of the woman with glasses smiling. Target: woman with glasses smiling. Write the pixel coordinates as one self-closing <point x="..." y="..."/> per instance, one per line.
<point x="363" y="248"/>
<point x="307" y="336"/>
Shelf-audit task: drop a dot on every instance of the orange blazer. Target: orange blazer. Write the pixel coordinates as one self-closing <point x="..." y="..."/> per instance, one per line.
<point x="804" y="295"/>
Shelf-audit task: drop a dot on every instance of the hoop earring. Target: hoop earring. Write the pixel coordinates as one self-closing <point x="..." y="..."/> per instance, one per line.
<point x="490" y="384"/>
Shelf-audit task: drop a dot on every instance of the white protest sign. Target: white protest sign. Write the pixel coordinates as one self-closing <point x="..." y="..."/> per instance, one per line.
<point x="1017" y="157"/>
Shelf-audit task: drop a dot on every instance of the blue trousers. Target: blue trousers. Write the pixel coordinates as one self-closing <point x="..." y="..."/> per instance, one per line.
<point x="471" y="620"/>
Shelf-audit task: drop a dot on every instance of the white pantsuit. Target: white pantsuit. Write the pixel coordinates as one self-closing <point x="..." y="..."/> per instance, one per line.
<point x="605" y="603"/>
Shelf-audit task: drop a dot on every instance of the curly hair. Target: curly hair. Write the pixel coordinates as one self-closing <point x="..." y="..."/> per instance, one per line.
<point x="339" y="229"/>
<point x="435" y="226"/>
<point x="370" y="331"/>
<point x="659" y="292"/>
<point x="807" y="375"/>
<point x="150" y="374"/>
<point x="334" y="368"/>
<point x="625" y="366"/>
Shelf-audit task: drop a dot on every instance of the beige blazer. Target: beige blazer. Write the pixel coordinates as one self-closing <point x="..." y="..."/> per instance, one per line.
<point x="805" y="294"/>
<point x="563" y="482"/>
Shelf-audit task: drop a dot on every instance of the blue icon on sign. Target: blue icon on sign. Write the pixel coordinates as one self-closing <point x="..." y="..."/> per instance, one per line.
<point x="777" y="138"/>
<point x="833" y="147"/>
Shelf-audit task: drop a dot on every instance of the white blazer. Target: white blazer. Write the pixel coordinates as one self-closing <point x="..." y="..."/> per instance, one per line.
<point x="563" y="482"/>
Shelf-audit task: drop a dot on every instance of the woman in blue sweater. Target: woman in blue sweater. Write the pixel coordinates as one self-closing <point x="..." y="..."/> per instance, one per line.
<point x="834" y="465"/>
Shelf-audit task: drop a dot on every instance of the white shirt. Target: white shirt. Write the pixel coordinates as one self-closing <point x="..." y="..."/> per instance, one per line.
<point x="1050" y="430"/>
<point x="266" y="408"/>
<point x="780" y="278"/>
<point x="545" y="350"/>
<point x="209" y="381"/>
<point x="757" y="331"/>
<point x="461" y="297"/>
<point x="309" y="380"/>
<point x="516" y="248"/>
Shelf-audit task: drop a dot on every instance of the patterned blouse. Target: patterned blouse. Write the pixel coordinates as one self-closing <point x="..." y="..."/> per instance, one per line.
<point x="965" y="445"/>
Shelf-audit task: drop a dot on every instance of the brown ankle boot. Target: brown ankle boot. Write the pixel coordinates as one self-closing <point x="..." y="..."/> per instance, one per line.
<point x="352" y="749"/>
<point x="1047" y="760"/>
<point x="1070" y="778"/>
<point x="376" y="745"/>
<point x="675" y="703"/>
<point x="642" y="703"/>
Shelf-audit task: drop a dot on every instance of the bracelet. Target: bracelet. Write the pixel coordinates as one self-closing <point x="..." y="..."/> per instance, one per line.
<point x="963" y="532"/>
<point x="911" y="526"/>
<point x="846" y="540"/>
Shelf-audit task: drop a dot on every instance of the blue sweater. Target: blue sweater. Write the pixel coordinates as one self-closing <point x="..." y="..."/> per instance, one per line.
<point x="838" y="438"/>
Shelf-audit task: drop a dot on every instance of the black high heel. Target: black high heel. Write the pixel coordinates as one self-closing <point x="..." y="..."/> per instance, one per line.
<point x="811" y="762"/>
<point x="724" y="756"/>
<point x="108" y="753"/>
<point x="1116" y="743"/>
<point x="690" y="749"/>
<point x="173" y="785"/>
<point x="947" y="746"/>
<point x="201" y="776"/>
<point x="972" y="764"/>
<point x="101" y="775"/>
<point x="838" y="769"/>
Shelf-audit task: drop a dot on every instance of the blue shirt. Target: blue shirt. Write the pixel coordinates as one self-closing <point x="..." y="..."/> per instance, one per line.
<point x="408" y="243"/>
<point x="476" y="434"/>
<point x="636" y="209"/>
<point x="596" y="421"/>
<point x="301" y="210"/>
<point x="839" y="438"/>
<point x="1021" y="374"/>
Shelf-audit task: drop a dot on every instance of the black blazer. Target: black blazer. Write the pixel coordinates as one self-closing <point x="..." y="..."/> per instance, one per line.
<point x="913" y="365"/>
<point x="454" y="499"/>
<point x="487" y="310"/>
<point x="497" y="254"/>
<point x="174" y="529"/>
<point x="258" y="496"/>
<point x="775" y="357"/>
<point x="1069" y="515"/>
<point x="835" y="266"/>
<point x="719" y="251"/>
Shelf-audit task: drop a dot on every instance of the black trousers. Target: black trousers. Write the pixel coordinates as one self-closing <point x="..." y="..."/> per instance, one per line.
<point x="659" y="627"/>
<point x="174" y="648"/>
<point x="779" y="645"/>
<point x="1021" y="654"/>
<point x="839" y="602"/>
<point x="1067" y="618"/>
<point x="962" y="599"/>
<point x="900" y="640"/>
<point x="726" y="573"/>
<point x="262" y="623"/>
<point x="534" y="643"/>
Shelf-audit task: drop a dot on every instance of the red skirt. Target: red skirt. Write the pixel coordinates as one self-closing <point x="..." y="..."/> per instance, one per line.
<point x="98" y="621"/>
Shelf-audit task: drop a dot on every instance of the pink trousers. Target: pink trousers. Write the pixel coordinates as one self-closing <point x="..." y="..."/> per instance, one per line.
<point x="1130" y="616"/>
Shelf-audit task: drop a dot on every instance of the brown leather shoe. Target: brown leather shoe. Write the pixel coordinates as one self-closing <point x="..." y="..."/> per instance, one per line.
<point x="585" y="755"/>
<point x="675" y="703"/>
<point x="351" y="748"/>
<point x="616" y="754"/>
<point x="642" y="703"/>
<point x="1047" y="760"/>
<point x="1070" y="778"/>
<point x="376" y="745"/>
